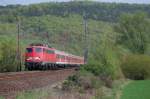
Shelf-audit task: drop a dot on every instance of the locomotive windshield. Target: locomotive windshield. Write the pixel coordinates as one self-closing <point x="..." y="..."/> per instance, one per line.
<point x="38" y="50"/>
<point x="29" y="50"/>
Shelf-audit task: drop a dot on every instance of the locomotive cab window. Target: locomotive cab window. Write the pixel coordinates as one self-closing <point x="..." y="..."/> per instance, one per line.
<point x="38" y="50"/>
<point x="29" y="50"/>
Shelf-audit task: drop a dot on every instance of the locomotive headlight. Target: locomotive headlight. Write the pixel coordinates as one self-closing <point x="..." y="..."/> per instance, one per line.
<point x="37" y="58"/>
<point x="33" y="58"/>
<point x="29" y="58"/>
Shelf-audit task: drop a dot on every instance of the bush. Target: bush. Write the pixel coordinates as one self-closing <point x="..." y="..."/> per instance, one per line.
<point x="8" y="58"/>
<point x="81" y="81"/>
<point x="136" y="66"/>
<point x="70" y="82"/>
<point x="107" y="64"/>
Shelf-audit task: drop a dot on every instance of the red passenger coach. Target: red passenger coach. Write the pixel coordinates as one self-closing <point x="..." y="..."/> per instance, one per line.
<point x="40" y="56"/>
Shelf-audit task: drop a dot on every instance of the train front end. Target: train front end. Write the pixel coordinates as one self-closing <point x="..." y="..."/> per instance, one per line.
<point x="33" y="57"/>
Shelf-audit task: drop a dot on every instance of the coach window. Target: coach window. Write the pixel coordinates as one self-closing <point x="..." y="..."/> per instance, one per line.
<point x="50" y="51"/>
<point x="38" y="50"/>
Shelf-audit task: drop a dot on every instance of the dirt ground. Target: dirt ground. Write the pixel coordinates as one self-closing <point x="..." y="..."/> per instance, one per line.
<point x="13" y="83"/>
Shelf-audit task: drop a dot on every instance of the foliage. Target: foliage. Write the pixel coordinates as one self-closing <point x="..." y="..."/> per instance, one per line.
<point x="1" y="97"/>
<point x="137" y="90"/>
<point x="82" y="81"/>
<point x="42" y="93"/>
<point x="136" y="66"/>
<point x="8" y="51"/>
<point x="103" y="57"/>
<point x="95" y="10"/>
<point x="134" y="32"/>
<point x="7" y="28"/>
<point x="62" y="33"/>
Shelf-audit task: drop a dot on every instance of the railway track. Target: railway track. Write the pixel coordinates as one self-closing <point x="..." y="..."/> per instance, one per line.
<point x="14" y="75"/>
<point x="11" y="83"/>
<point x="19" y="75"/>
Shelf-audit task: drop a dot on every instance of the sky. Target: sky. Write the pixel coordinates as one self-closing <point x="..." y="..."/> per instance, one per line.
<point x="26" y="2"/>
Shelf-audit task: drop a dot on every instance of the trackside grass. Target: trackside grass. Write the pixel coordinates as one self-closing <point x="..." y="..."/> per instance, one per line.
<point x="137" y="90"/>
<point x="1" y="97"/>
<point x="35" y="94"/>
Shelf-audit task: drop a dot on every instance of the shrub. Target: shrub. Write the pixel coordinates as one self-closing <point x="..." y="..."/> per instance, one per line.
<point x="8" y="56"/>
<point x="81" y="81"/>
<point x="94" y="67"/>
<point x="88" y="81"/>
<point x="106" y="64"/>
<point x="136" y="66"/>
<point x="70" y="83"/>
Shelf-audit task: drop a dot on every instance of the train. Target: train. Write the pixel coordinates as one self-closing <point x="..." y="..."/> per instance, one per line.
<point x="43" y="57"/>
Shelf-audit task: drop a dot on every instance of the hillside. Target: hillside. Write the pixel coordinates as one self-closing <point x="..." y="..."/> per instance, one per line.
<point x="63" y="33"/>
<point x="95" y="10"/>
<point x="50" y="23"/>
<point x="61" y="25"/>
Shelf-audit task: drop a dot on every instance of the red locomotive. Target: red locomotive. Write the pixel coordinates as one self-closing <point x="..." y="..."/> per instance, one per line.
<point x="42" y="57"/>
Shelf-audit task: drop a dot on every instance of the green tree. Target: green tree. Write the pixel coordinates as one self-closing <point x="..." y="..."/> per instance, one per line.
<point x="134" y="32"/>
<point x="8" y="61"/>
<point x="103" y="56"/>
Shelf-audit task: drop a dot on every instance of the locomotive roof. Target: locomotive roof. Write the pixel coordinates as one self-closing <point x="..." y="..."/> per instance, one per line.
<point x="41" y="45"/>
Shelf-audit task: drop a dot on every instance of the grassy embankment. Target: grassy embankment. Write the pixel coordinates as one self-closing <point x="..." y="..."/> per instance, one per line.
<point x="1" y="97"/>
<point x="137" y="90"/>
